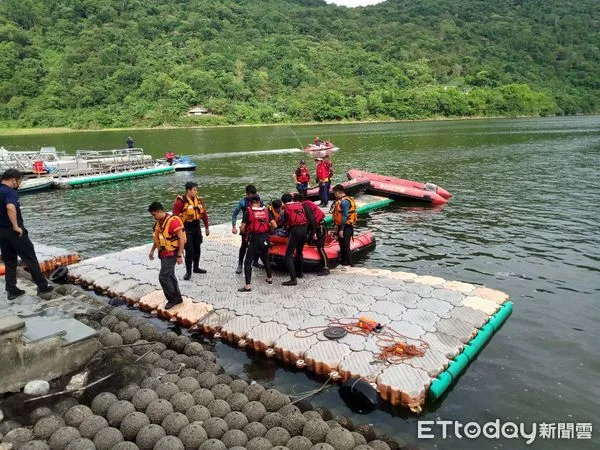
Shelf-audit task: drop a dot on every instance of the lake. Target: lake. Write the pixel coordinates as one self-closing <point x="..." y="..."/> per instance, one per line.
<point x="523" y="219"/>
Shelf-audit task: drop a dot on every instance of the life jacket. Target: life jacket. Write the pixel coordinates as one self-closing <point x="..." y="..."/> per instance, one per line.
<point x="294" y="214"/>
<point x="323" y="172"/>
<point x="276" y="215"/>
<point x="164" y="241"/>
<point x="337" y="211"/>
<point x="258" y="220"/>
<point x="317" y="213"/>
<point x="192" y="209"/>
<point x="329" y="165"/>
<point x="304" y="176"/>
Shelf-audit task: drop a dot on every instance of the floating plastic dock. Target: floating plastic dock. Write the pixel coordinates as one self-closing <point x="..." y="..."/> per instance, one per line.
<point x="453" y="318"/>
<point x="84" y="180"/>
<point x="50" y="257"/>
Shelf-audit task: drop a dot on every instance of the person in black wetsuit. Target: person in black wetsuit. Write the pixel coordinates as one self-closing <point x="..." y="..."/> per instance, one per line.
<point x="298" y="218"/>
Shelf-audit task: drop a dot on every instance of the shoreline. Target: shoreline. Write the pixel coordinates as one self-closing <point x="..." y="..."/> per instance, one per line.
<point x="65" y="130"/>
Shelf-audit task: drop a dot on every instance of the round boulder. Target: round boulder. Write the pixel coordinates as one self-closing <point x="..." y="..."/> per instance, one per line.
<point x="167" y="390"/>
<point x="107" y="438"/>
<point x="75" y="415"/>
<point x="81" y="444"/>
<point x="168" y="354"/>
<point x="158" y="410"/>
<point x="359" y="439"/>
<point x="254" y="411"/>
<point x="207" y="380"/>
<point x="132" y="423"/>
<point x="130" y="336"/>
<point x="126" y="392"/>
<point x="35" y="445"/>
<point x="340" y="439"/>
<point x="174" y="423"/>
<point x="224" y="378"/>
<point x="189" y="372"/>
<point x="289" y="409"/>
<point x="299" y="443"/>
<point x="121" y="327"/>
<point x="188" y="384"/>
<point x="255" y="429"/>
<point x="118" y="411"/>
<point x="254" y="391"/>
<point x="169" y="443"/>
<point x="18" y="437"/>
<point x="170" y="378"/>
<point x="193" y="349"/>
<point x="36" y="387"/>
<point x="272" y="420"/>
<point x="44" y="427"/>
<point x="148" y="436"/>
<point x="38" y="413"/>
<point x="150" y="383"/>
<point x="366" y="430"/>
<point x="294" y="423"/>
<point x="236" y="420"/>
<point x="221" y="391"/>
<point x="273" y="399"/>
<point x="219" y="408"/>
<point x="322" y="446"/>
<point x="379" y="445"/>
<point x="142" y="398"/>
<point x="238" y="385"/>
<point x="213" y="444"/>
<point x="147" y="331"/>
<point x="182" y="401"/>
<point x="345" y="422"/>
<point x="259" y="443"/>
<point x="192" y="436"/>
<point x="125" y="445"/>
<point x="62" y="437"/>
<point x="312" y="415"/>
<point x="102" y="402"/>
<point x="215" y="427"/>
<point x="179" y="343"/>
<point x="181" y="359"/>
<point x="234" y="438"/>
<point x="197" y="413"/>
<point x="90" y="426"/>
<point x="315" y="430"/>
<point x="237" y="401"/>
<point x="278" y="436"/>
<point x="111" y="339"/>
<point x="203" y="396"/>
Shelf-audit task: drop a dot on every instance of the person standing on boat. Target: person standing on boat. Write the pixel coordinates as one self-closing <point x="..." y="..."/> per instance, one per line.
<point x="344" y="218"/>
<point x="317" y="141"/>
<point x="324" y="181"/>
<point x="14" y="238"/>
<point x="298" y="218"/>
<point x="129" y="142"/>
<point x="169" y="239"/>
<point x="170" y="156"/>
<point x="316" y="236"/>
<point x="302" y="177"/>
<point x="257" y="223"/>
<point x="241" y="206"/>
<point x="191" y="209"/>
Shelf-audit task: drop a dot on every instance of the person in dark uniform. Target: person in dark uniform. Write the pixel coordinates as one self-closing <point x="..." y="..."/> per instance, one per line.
<point x="257" y="223"/>
<point x="241" y="206"/>
<point x="129" y="142"/>
<point x="344" y="219"/>
<point x="14" y="238"/>
<point x="191" y="209"/>
<point x="298" y="218"/>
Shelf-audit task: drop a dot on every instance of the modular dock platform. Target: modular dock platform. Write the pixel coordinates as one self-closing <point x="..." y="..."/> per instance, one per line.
<point x="50" y="258"/>
<point x="453" y="318"/>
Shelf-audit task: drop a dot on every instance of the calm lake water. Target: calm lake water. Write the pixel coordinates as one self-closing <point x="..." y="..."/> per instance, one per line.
<point x="524" y="220"/>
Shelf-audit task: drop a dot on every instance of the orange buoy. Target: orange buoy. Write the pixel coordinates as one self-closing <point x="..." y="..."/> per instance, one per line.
<point x="2" y="269"/>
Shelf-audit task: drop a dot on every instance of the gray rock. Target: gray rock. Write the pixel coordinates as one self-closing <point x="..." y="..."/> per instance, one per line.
<point x="130" y="336"/>
<point x="81" y="444"/>
<point x="118" y="411"/>
<point x="209" y="356"/>
<point x="8" y="425"/>
<point x="107" y="438"/>
<point x="278" y="436"/>
<point x="254" y="411"/>
<point x="315" y="430"/>
<point x="299" y="443"/>
<point x="64" y="404"/>
<point x="125" y="446"/>
<point x="259" y="443"/>
<point x="312" y="415"/>
<point x="169" y="443"/>
<point x="325" y="413"/>
<point x="158" y="410"/>
<point x="359" y="439"/>
<point x="272" y="420"/>
<point x="158" y="372"/>
<point x="132" y="423"/>
<point x="170" y="378"/>
<point x="135" y="321"/>
<point x="181" y="359"/>
<point x="379" y="445"/>
<point x="165" y="364"/>
<point x="234" y="438"/>
<point x="188" y="372"/>
<point x="182" y="401"/>
<point x="188" y="384"/>
<point x="213" y="368"/>
<point x="36" y="388"/>
<point x="148" y="436"/>
<point x="215" y="427"/>
<point x="90" y="426"/>
<point x="75" y="415"/>
<point x="193" y="349"/>
<point x="322" y="446"/>
<point x="197" y="413"/>
<point x="46" y="426"/>
<point x="221" y="391"/>
<point x="121" y="327"/>
<point x="141" y="349"/>
<point x="362" y="447"/>
<point x="223" y="378"/>
<point x="167" y="390"/>
<point x="62" y="437"/>
<point x="111" y="339"/>
<point x="150" y="383"/>
<point x="203" y="396"/>
<point x="35" y="445"/>
<point x="236" y="420"/>
<point x="254" y="391"/>
<point x="294" y="423"/>
<point x="168" y="354"/>
<point x="174" y="423"/>
<point x="219" y="408"/>
<point x="18" y="436"/>
<point x="142" y="398"/>
<point x="255" y="429"/>
<point x="102" y="402"/>
<point x="289" y="409"/>
<point x="179" y="343"/>
<point x="207" y="380"/>
<point x="273" y="399"/>
<point x="192" y="436"/>
<point x="340" y="439"/>
<point x="237" y="401"/>
<point x="345" y="422"/>
<point x="212" y="444"/>
<point x="198" y="363"/>
<point x="366" y="430"/>
<point x="147" y="331"/>
<point x="38" y="413"/>
<point x="109" y="321"/>
<point x="238" y="385"/>
<point x="333" y="424"/>
<point x="126" y="392"/>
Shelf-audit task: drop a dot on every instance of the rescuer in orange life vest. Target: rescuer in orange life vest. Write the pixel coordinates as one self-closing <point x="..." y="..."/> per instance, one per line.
<point x="344" y="218"/>
<point x="190" y="209"/>
<point x="298" y="218"/>
<point x="169" y="239"/>
<point x="257" y="223"/>
<point x="302" y="177"/>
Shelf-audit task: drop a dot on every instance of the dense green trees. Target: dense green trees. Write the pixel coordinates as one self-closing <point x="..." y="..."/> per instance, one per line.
<point x="113" y="63"/>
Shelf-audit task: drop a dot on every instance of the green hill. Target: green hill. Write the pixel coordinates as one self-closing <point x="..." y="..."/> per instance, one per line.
<point x="117" y="63"/>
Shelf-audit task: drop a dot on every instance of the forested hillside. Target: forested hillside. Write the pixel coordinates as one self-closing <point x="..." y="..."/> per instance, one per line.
<point x="118" y="63"/>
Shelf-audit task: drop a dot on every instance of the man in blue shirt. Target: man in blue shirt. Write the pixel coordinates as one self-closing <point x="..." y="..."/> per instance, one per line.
<point x="242" y="206"/>
<point x="14" y="238"/>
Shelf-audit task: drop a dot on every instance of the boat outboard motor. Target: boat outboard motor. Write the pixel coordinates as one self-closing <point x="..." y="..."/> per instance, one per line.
<point x="59" y="275"/>
<point x="359" y="395"/>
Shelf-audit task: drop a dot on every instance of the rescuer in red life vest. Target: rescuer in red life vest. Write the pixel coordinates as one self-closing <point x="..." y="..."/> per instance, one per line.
<point x="323" y="180"/>
<point x="170" y="156"/>
<point x="302" y="177"/>
<point x="257" y="223"/>
<point x="316" y="236"/>
<point x="298" y="218"/>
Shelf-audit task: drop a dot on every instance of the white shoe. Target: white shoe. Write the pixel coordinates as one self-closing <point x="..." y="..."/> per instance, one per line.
<point x="343" y="268"/>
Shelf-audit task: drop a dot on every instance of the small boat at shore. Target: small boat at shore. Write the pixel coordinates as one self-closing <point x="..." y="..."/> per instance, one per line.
<point x="401" y="189"/>
<point x="180" y="163"/>
<point x="35" y="184"/>
<point x="353" y="187"/>
<point x="320" y="150"/>
<point x="360" y="244"/>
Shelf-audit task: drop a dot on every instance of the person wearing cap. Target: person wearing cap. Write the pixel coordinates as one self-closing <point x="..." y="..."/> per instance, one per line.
<point x="324" y="181"/>
<point x="302" y="177"/>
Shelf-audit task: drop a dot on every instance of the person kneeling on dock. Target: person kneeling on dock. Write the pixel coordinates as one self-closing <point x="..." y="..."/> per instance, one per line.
<point x="190" y="208"/>
<point x="344" y="218"/>
<point x="257" y="222"/>
<point x="169" y="239"/>
<point x="297" y="219"/>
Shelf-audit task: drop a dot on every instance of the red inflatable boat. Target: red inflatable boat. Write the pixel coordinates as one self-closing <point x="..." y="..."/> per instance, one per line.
<point x="353" y="187"/>
<point x="401" y="189"/>
<point x="360" y="244"/>
<point x="324" y="148"/>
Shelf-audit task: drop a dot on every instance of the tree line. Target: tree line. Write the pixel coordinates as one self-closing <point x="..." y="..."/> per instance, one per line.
<point x="126" y="63"/>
